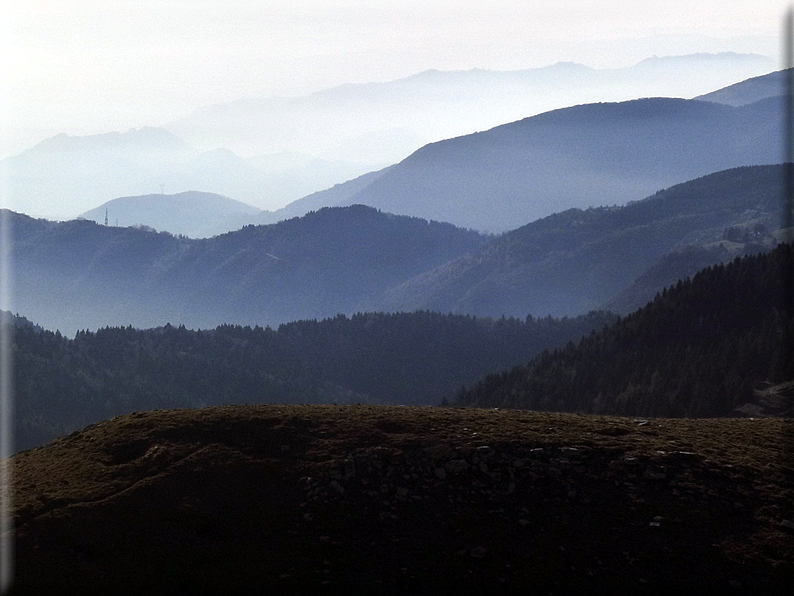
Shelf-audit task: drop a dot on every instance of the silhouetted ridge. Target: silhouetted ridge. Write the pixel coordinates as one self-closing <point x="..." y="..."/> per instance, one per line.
<point x="406" y="358"/>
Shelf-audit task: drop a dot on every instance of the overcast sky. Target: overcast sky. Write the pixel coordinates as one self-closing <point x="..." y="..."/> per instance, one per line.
<point x="90" y="66"/>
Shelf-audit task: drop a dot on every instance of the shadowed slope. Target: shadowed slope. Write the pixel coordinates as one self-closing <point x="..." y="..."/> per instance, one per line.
<point x="403" y="500"/>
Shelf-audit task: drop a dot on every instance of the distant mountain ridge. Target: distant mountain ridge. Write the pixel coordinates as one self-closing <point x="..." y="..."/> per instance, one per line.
<point x="578" y="260"/>
<point x="78" y="173"/>
<point x="587" y="155"/>
<point x="194" y="214"/>
<point x="327" y="262"/>
<point x="350" y="259"/>
<point x="386" y="121"/>
<point x="64" y="176"/>
<point x="749" y="91"/>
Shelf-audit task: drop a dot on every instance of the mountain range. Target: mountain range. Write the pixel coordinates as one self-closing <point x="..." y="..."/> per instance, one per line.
<point x="606" y="257"/>
<point x="327" y="262"/>
<point x="350" y="259"/>
<point x="750" y="90"/>
<point x="587" y="155"/>
<point x="383" y="122"/>
<point x="64" y="176"/>
<point x="671" y="212"/>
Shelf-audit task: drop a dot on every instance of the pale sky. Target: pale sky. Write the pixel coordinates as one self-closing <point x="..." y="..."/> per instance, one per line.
<point x="92" y="66"/>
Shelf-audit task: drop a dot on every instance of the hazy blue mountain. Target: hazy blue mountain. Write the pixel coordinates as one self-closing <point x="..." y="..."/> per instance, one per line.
<point x="78" y="274"/>
<point x="67" y="175"/>
<point x="192" y="213"/>
<point x="749" y="91"/>
<point x="292" y="176"/>
<point x="687" y="261"/>
<point x="578" y="260"/>
<point x="339" y="193"/>
<point x="383" y="122"/>
<point x="308" y="144"/>
<point x="586" y="155"/>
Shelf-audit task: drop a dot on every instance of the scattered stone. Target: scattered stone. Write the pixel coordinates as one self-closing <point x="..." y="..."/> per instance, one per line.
<point x="652" y="475"/>
<point x="350" y="469"/>
<point x="441" y="473"/>
<point x="455" y="466"/>
<point x="478" y="552"/>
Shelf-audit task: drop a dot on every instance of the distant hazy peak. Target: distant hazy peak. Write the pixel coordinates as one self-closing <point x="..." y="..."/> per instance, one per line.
<point x="147" y="135"/>
<point x="703" y="56"/>
<point x="748" y="91"/>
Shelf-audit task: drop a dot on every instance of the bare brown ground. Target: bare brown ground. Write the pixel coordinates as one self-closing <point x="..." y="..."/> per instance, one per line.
<point x="365" y="499"/>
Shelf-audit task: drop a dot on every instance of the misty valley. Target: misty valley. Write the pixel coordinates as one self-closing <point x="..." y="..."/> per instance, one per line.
<point x="459" y="368"/>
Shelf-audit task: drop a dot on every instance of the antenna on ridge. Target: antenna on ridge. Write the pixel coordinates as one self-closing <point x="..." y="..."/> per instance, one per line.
<point x="106" y="216"/>
<point x="162" y="192"/>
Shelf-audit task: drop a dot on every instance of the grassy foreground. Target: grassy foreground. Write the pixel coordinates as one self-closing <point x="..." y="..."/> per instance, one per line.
<point x="393" y="500"/>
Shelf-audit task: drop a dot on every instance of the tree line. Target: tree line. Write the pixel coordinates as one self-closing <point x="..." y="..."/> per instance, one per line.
<point x="417" y="358"/>
<point x="700" y="348"/>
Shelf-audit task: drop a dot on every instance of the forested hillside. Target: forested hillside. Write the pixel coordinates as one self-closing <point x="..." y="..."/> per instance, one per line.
<point x="415" y="359"/>
<point x="700" y="348"/>
<point x="578" y="260"/>
<point x="324" y="263"/>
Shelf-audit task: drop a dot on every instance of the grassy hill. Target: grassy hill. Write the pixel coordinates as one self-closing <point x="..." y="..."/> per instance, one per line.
<point x="380" y="500"/>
